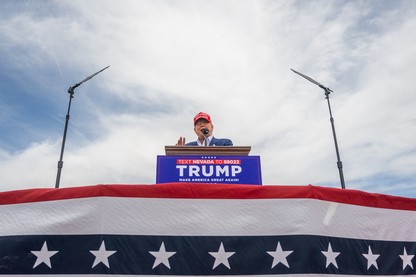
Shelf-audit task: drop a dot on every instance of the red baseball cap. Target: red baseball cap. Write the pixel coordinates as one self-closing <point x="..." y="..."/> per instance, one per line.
<point x="203" y="116"/>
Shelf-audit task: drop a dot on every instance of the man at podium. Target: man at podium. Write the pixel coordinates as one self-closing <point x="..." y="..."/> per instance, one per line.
<point x="203" y="128"/>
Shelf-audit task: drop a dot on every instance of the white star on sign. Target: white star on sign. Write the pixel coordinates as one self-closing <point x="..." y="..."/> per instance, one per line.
<point x="162" y="257"/>
<point x="221" y="257"/>
<point x="43" y="256"/>
<point x="371" y="258"/>
<point x="279" y="256"/>
<point x="331" y="256"/>
<point x="407" y="259"/>
<point x="101" y="255"/>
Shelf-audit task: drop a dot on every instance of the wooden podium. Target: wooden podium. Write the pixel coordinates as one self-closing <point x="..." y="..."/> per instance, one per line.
<point x="207" y="150"/>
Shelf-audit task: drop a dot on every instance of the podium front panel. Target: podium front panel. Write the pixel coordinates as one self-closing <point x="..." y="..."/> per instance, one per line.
<point x="209" y="169"/>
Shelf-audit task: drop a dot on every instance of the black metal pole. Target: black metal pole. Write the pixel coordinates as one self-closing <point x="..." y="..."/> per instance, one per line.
<point x="71" y="95"/>
<point x="339" y="162"/>
<point x="327" y="92"/>
<point x="61" y="162"/>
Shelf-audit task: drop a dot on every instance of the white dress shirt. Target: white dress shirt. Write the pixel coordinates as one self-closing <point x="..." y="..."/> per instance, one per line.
<point x="208" y="139"/>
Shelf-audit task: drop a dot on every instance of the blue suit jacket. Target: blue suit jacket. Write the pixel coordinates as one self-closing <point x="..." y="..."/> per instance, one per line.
<point x="214" y="142"/>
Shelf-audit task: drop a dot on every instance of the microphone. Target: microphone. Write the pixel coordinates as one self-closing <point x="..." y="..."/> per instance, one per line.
<point x="205" y="132"/>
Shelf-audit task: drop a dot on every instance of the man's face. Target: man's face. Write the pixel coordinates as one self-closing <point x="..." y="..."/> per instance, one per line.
<point x="203" y="124"/>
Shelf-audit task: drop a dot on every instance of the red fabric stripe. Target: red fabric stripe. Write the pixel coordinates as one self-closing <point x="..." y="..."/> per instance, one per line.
<point x="210" y="191"/>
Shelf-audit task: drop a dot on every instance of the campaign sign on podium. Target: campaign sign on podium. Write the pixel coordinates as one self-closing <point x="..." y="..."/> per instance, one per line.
<point x="215" y="165"/>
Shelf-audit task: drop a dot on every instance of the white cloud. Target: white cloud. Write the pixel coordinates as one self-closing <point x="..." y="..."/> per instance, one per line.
<point x="31" y="168"/>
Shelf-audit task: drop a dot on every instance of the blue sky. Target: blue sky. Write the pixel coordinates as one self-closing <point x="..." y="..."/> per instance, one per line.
<point x="171" y="59"/>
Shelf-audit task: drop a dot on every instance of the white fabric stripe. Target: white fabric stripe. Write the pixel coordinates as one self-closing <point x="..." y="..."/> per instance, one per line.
<point x="214" y="217"/>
